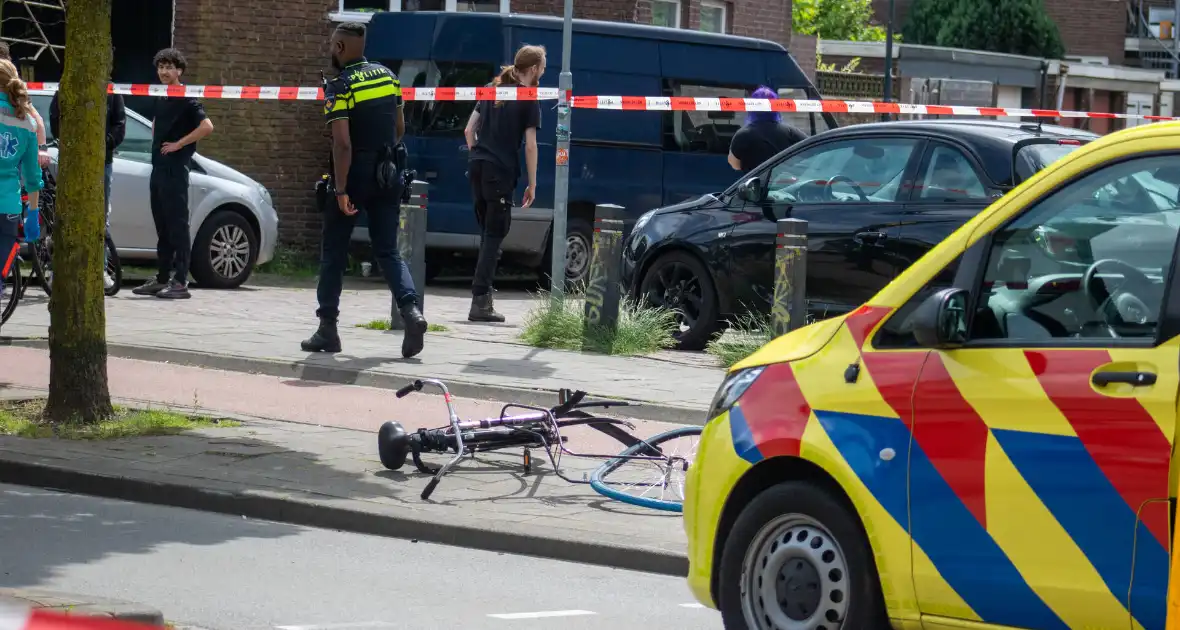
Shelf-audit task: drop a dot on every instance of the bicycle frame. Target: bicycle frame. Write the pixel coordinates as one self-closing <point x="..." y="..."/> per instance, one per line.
<point x="541" y="426"/>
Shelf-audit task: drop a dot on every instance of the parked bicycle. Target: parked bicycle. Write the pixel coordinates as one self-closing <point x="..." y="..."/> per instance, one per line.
<point x="42" y="251"/>
<point x="13" y="283"/>
<point x="648" y="472"/>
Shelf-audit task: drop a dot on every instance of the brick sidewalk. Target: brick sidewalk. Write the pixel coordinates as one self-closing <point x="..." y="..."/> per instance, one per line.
<point x="330" y="476"/>
<point x="258" y="329"/>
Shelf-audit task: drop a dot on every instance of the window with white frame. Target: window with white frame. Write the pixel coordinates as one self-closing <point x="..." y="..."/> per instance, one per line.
<point x="665" y="13"/>
<point x="713" y="16"/>
<point x="362" y="10"/>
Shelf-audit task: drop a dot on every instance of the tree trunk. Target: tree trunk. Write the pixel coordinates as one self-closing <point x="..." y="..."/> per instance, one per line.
<point x="77" y="330"/>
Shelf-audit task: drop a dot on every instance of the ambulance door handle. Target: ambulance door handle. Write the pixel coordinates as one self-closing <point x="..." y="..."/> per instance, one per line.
<point x="1134" y="379"/>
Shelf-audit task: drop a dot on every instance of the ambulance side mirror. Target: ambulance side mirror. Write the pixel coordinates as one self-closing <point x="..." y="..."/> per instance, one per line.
<point x="940" y="323"/>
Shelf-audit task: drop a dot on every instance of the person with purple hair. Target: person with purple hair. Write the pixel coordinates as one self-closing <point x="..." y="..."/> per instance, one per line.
<point x="764" y="136"/>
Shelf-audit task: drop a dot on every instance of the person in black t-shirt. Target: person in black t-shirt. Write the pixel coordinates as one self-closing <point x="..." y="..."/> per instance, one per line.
<point x="495" y="133"/>
<point x="179" y="124"/>
<point x="764" y="136"/>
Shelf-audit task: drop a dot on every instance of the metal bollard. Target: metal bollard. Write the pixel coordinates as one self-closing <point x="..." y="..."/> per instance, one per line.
<point x="603" y="290"/>
<point x="789" y="310"/>
<point x="411" y="244"/>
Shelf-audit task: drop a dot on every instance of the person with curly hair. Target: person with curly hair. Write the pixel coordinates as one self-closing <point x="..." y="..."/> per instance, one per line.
<point x="179" y="124"/>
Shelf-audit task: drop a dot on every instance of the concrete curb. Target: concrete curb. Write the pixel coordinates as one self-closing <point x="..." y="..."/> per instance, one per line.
<point x="84" y="605"/>
<point x="366" y="378"/>
<point x="521" y="539"/>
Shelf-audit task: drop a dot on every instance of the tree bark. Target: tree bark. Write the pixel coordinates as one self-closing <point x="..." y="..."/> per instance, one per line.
<point x="78" y="388"/>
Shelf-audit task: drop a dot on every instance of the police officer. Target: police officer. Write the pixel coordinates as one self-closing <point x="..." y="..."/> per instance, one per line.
<point x="363" y="106"/>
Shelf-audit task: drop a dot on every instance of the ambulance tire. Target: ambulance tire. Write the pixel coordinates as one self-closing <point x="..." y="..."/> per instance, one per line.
<point x="865" y="607"/>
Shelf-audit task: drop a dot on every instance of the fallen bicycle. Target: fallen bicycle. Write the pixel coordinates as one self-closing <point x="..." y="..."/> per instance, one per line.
<point x="648" y="472"/>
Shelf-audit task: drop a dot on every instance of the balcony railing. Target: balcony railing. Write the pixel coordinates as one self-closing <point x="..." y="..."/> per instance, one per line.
<point x="1153" y="52"/>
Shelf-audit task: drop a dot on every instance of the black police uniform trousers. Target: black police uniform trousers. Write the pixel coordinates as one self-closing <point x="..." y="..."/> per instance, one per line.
<point x="491" y="188"/>
<point x="383" y="210"/>
<point x="168" y="189"/>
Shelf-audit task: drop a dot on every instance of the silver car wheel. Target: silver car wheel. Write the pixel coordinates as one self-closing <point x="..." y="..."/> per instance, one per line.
<point x="577" y="256"/>
<point x="229" y="251"/>
<point x="794" y="577"/>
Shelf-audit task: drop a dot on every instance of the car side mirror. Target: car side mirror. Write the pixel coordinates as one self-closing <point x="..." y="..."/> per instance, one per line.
<point x="751" y="190"/>
<point x="940" y="322"/>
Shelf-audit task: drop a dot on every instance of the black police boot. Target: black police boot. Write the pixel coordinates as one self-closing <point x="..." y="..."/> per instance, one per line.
<point x="414" y="337"/>
<point x="482" y="310"/>
<point x="325" y="338"/>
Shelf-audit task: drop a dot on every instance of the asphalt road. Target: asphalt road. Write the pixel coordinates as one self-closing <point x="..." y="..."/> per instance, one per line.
<point x="219" y="572"/>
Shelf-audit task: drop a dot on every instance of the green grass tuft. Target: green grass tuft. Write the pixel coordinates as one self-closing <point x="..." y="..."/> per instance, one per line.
<point x="386" y="324"/>
<point x="291" y="263"/>
<point x="642" y="329"/>
<point x="745" y="336"/>
<point x="26" y="419"/>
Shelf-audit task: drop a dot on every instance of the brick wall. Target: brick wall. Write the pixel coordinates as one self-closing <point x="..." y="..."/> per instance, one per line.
<point x="282" y="144"/>
<point x="1088" y="27"/>
<point x="1092" y="27"/>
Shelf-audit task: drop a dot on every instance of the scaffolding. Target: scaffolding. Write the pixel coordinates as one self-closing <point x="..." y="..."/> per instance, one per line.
<point x="26" y="26"/>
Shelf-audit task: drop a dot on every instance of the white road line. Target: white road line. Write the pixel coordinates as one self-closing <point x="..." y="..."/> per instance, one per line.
<point x="692" y="605"/>
<point x="543" y="614"/>
<point x="341" y="626"/>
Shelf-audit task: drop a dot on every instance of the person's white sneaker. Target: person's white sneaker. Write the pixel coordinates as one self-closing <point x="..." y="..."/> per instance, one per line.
<point x="108" y="282"/>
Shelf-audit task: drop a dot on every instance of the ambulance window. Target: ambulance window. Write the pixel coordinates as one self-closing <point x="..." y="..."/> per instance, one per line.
<point x="1088" y="262"/>
<point x="898" y="332"/>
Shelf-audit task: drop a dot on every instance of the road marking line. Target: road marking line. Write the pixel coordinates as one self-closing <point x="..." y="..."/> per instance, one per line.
<point x="341" y="626"/>
<point x="543" y="614"/>
<point x="692" y="605"/>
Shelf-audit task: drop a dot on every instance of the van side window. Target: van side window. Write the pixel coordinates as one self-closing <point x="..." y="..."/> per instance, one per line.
<point x="898" y="332"/>
<point x="413" y="73"/>
<point x="439" y="118"/>
<point x="702" y="132"/>
<point x="449" y="118"/>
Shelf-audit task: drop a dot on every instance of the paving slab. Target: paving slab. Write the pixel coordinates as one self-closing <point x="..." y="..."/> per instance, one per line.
<point x="306" y="466"/>
<point x="258" y="330"/>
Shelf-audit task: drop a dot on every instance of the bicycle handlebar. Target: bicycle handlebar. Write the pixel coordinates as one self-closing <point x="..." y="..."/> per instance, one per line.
<point x="416" y="386"/>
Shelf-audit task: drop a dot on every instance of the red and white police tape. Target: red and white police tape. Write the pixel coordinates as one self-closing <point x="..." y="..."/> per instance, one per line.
<point x="622" y="103"/>
<point x="17" y="617"/>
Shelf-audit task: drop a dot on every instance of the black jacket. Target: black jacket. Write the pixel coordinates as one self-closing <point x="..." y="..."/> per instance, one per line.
<point x="116" y="122"/>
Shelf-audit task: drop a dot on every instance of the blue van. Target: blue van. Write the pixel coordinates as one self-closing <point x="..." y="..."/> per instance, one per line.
<point x="639" y="160"/>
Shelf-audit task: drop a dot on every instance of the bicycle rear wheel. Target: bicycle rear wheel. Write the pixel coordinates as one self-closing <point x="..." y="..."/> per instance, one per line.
<point x="12" y="291"/>
<point x="651" y="483"/>
<point x="114" y="268"/>
<point x="41" y="252"/>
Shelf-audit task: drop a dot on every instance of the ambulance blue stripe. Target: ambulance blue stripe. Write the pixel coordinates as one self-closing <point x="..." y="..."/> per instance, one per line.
<point x="960" y="548"/>
<point x="743" y="437"/>
<point x="1081" y="497"/>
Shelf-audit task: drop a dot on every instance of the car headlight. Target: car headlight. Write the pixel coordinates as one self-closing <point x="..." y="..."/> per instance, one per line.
<point x="642" y="221"/>
<point x="732" y="389"/>
<point x="265" y="194"/>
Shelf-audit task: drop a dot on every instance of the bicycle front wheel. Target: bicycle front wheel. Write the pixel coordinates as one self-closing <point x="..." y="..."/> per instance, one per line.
<point x="12" y="290"/>
<point x="650" y="474"/>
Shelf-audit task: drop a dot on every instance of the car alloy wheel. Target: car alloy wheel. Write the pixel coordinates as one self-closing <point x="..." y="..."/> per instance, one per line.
<point x="229" y="251"/>
<point x="677" y="288"/>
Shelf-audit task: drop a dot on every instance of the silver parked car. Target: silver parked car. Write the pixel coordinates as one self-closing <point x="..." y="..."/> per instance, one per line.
<point x="232" y="218"/>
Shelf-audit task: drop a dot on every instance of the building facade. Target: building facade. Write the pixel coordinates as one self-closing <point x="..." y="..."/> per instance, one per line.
<point x="283" y="144"/>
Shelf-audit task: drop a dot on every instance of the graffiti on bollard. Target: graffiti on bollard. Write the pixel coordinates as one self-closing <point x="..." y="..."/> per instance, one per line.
<point x="603" y="291"/>
<point x="789" y="310"/>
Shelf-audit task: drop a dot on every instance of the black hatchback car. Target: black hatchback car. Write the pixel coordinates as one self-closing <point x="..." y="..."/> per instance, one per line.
<point x="876" y="197"/>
